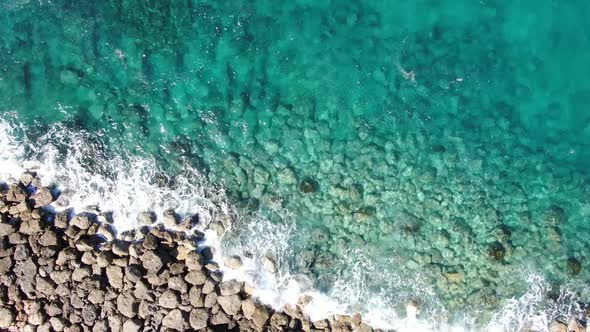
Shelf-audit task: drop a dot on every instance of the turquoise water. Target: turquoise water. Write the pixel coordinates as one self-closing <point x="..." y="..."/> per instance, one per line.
<point x="447" y="141"/>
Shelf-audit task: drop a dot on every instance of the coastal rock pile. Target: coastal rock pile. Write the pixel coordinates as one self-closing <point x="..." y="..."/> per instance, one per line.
<point x="66" y="272"/>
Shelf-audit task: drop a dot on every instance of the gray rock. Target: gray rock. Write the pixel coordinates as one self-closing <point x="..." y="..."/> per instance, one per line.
<point x="169" y="299"/>
<point x="80" y="273"/>
<point x="198" y="318"/>
<point x="57" y="323"/>
<point x="151" y="262"/>
<point x="60" y="277"/>
<point x="208" y="287"/>
<point x="121" y="248"/>
<point x="134" y="272"/>
<point x="100" y="326"/>
<point x="96" y="296"/>
<point x="21" y="252"/>
<point x="176" y="320"/>
<point x="89" y="314"/>
<point x="197" y="277"/>
<point x="269" y="264"/>
<point x="194" y="261"/>
<point x="257" y="314"/>
<point x="126" y="305"/>
<point x="231" y="304"/>
<point x="132" y="325"/>
<point x="230" y="287"/>
<point x="42" y="197"/>
<point x="115" y="276"/>
<point x="177" y="283"/>
<point x="61" y="219"/>
<point x="7" y="317"/>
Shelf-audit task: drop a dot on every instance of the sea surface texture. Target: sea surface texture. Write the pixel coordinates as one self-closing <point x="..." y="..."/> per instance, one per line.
<point x="378" y="151"/>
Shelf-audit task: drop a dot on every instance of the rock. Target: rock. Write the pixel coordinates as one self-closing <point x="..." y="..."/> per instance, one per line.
<point x="230" y="287"/>
<point x="115" y="276"/>
<point x="43" y="197"/>
<point x="121" y="248"/>
<point x="260" y="316"/>
<point x="16" y="194"/>
<point x="269" y="264"/>
<point x="210" y="300"/>
<point x="151" y="262"/>
<point x="497" y="251"/>
<point x="5" y="265"/>
<point x="197" y="277"/>
<point x="196" y="297"/>
<point x="80" y="273"/>
<point x="177" y="283"/>
<point x="146" y="218"/>
<point x="49" y="238"/>
<point x="176" y="320"/>
<point x="7" y="228"/>
<point x="7" y="317"/>
<point x="30" y="227"/>
<point x="557" y="326"/>
<point x="100" y="326"/>
<point x="132" y="325"/>
<point x="170" y="218"/>
<point x="575" y="326"/>
<point x="107" y="231"/>
<point x="208" y="287"/>
<point x="194" y="261"/>
<point x="234" y="262"/>
<point x="573" y="266"/>
<point x="198" y="318"/>
<point x="82" y="221"/>
<point x="555" y="216"/>
<point x="231" y="304"/>
<point x="278" y="320"/>
<point x="96" y="296"/>
<point x="126" y="305"/>
<point x="169" y="299"/>
<point x="61" y="219"/>
<point x="220" y="318"/>
<point x="57" y="323"/>
<point x="308" y="186"/>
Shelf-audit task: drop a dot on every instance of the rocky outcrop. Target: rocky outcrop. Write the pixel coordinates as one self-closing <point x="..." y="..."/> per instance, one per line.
<point x="63" y="272"/>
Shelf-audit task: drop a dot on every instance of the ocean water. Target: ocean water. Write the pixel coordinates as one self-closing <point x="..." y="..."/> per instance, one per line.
<point x="378" y="151"/>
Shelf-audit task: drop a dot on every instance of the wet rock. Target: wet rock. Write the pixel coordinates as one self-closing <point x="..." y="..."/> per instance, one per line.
<point x="176" y="320"/>
<point x="555" y="216"/>
<point x="146" y="218"/>
<point x="497" y="251"/>
<point x="230" y="287"/>
<point x="279" y="320"/>
<point x="269" y="264"/>
<point x="308" y="186"/>
<point x="106" y="231"/>
<point x="82" y="221"/>
<point x="574" y="266"/>
<point x="198" y="318"/>
<point x="170" y="218"/>
<point x="43" y="197"/>
<point x="234" y="262"/>
<point x="169" y="299"/>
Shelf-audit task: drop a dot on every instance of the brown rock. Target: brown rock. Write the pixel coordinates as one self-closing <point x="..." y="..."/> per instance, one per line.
<point x="115" y="276"/>
<point x="194" y="261"/>
<point x="169" y="299"/>
<point x="197" y="277"/>
<point x="7" y="317"/>
<point x="151" y="262"/>
<point x="132" y="325"/>
<point x="42" y="197"/>
<point x="196" y="297"/>
<point x="176" y="320"/>
<point x="126" y="305"/>
<point x="230" y="287"/>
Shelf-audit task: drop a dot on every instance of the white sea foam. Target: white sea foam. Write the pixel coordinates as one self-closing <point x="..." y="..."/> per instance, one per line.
<point x="86" y="176"/>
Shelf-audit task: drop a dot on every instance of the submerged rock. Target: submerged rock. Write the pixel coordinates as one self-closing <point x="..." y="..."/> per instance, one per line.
<point x="308" y="186"/>
<point x="574" y="266"/>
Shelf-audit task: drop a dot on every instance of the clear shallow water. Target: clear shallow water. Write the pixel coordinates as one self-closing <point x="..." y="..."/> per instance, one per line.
<point x="443" y="148"/>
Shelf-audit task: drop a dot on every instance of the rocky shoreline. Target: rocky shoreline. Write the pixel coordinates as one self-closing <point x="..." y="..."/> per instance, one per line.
<point x="66" y="272"/>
